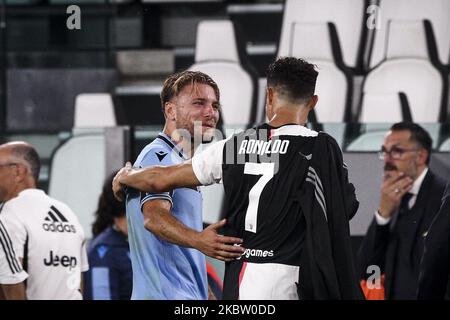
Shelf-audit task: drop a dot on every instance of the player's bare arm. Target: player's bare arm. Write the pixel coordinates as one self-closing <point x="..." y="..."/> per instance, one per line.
<point x="14" y="291"/>
<point x="154" y="179"/>
<point x="159" y="220"/>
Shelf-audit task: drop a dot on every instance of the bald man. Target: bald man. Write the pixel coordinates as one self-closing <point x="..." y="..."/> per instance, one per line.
<point x="45" y="234"/>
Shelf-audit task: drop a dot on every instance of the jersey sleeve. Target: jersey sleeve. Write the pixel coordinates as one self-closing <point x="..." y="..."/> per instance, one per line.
<point x="84" y="260"/>
<point x="348" y="187"/>
<point x="11" y="271"/>
<point x="157" y="156"/>
<point x="207" y="165"/>
<point x="16" y="228"/>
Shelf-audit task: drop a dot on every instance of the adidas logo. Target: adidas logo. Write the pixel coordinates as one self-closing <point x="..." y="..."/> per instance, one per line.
<point x="56" y="222"/>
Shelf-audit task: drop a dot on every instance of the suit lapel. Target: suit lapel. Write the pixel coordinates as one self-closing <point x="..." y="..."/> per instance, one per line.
<point x="418" y="211"/>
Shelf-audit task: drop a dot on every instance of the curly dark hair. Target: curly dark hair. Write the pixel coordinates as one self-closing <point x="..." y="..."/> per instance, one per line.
<point x="108" y="208"/>
<point x="293" y="78"/>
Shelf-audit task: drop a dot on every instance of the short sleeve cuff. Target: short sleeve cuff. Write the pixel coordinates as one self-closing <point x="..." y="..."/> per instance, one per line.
<point x="14" y="279"/>
<point x="85" y="267"/>
<point x="156" y="196"/>
<point x="196" y="167"/>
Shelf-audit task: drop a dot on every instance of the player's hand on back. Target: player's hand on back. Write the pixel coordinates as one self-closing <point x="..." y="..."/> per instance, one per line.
<point x="117" y="186"/>
<point x="218" y="246"/>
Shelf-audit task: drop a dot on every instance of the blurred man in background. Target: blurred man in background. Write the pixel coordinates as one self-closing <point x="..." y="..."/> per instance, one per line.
<point x="45" y="232"/>
<point x="410" y="198"/>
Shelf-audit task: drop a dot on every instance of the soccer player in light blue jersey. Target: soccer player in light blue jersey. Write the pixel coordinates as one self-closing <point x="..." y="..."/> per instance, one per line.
<point x="165" y="230"/>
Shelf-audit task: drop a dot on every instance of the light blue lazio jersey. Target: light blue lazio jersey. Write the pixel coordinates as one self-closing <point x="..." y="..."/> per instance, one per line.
<point x="162" y="270"/>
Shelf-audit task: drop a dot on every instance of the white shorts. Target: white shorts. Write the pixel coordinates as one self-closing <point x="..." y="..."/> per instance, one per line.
<point x="268" y="281"/>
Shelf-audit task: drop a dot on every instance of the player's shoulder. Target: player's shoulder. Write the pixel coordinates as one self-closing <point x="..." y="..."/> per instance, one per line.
<point x="156" y="153"/>
<point x="64" y="213"/>
<point x="154" y="146"/>
<point x="23" y="202"/>
<point x="60" y="206"/>
<point x="330" y="141"/>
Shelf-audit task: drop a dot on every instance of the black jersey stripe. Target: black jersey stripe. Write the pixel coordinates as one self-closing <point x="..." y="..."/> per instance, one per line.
<point x="314" y="178"/>
<point x="318" y="197"/>
<point x="60" y="215"/>
<point x="52" y="216"/>
<point x="6" y="243"/>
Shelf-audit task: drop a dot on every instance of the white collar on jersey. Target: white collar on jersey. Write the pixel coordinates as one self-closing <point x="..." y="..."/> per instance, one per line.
<point x="293" y="130"/>
<point x="31" y="191"/>
<point x="172" y="144"/>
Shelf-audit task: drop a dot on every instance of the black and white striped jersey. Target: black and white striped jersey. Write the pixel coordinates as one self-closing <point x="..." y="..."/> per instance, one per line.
<point x="262" y="170"/>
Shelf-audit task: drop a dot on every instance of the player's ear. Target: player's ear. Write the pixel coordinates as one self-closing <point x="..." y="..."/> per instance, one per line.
<point x="169" y="108"/>
<point x="21" y="172"/>
<point x="312" y="103"/>
<point x="422" y="157"/>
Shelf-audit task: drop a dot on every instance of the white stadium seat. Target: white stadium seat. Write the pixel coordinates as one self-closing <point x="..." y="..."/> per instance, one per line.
<point x="322" y="33"/>
<point x="93" y="110"/>
<point x="436" y="11"/>
<point x="332" y="85"/>
<point x="216" y="54"/>
<point x="445" y="146"/>
<point x="77" y="173"/>
<point x="346" y="15"/>
<point x="81" y="160"/>
<point x="376" y="107"/>
<point x="406" y="69"/>
<point x="421" y="83"/>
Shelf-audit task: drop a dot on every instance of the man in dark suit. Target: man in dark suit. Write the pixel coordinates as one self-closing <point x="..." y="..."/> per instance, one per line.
<point x="435" y="266"/>
<point x="410" y="198"/>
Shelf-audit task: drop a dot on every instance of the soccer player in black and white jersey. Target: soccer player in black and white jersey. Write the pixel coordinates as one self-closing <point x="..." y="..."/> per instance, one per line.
<point x="287" y="196"/>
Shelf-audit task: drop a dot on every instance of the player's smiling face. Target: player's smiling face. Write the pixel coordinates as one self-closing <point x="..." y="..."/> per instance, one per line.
<point x="197" y="104"/>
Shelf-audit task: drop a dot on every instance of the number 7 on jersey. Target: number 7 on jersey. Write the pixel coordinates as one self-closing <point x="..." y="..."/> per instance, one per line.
<point x="266" y="170"/>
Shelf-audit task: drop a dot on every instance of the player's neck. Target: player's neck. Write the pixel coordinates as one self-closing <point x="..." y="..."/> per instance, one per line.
<point x="18" y="189"/>
<point x="284" y="116"/>
<point x="187" y="146"/>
